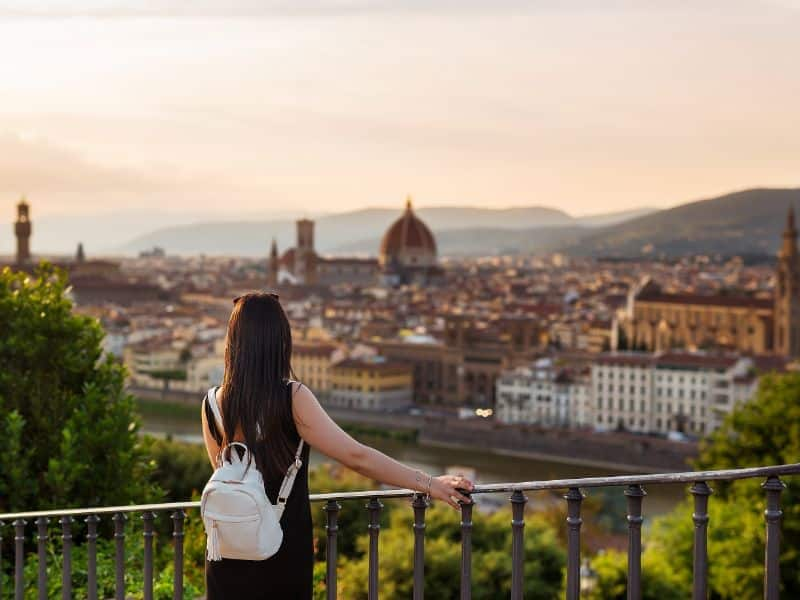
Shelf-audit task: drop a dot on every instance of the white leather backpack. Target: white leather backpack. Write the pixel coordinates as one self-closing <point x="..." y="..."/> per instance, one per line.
<point x="239" y="519"/>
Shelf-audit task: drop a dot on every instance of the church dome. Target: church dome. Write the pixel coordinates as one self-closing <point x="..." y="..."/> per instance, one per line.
<point x="408" y="242"/>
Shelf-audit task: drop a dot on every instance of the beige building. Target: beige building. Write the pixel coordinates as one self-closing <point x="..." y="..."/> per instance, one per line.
<point x="659" y="321"/>
<point x="312" y="362"/>
<point x="370" y="384"/>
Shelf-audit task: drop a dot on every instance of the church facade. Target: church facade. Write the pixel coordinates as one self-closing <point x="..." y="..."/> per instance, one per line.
<point x="659" y="321"/>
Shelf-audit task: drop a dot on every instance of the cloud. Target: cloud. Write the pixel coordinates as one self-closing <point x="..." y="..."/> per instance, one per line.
<point x="59" y="179"/>
<point x="246" y="8"/>
<point x="38" y="165"/>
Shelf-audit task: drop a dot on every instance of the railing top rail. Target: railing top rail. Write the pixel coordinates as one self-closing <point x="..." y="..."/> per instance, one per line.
<point x="488" y="488"/>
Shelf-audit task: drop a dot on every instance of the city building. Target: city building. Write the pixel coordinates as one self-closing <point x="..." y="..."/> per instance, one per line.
<point x="92" y="281"/>
<point x="542" y="394"/>
<point x="373" y="383"/>
<point x="462" y="367"/>
<point x="658" y="321"/>
<point x="674" y="391"/>
<point x="312" y="362"/>
<point x="408" y="251"/>
<point x="302" y="265"/>
<point x="684" y="392"/>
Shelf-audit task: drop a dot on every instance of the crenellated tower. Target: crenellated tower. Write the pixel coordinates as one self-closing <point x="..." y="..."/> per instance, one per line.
<point x="22" y="229"/>
<point x="787" y="293"/>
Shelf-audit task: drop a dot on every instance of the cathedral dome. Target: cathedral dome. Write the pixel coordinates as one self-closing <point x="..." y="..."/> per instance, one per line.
<point x="408" y="242"/>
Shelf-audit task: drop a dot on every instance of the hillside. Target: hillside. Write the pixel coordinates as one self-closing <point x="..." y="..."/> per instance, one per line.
<point x="464" y="230"/>
<point x="487" y="241"/>
<point x="746" y="222"/>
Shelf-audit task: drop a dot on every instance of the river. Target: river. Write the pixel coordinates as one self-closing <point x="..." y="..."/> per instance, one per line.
<point x="488" y="466"/>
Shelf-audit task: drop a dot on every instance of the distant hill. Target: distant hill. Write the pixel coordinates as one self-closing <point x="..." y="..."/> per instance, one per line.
<point x="486" y="241"/>
<point x="746" y="222"/>
<point x="460" y="230"/>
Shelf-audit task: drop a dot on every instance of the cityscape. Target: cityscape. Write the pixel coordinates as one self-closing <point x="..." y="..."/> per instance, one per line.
<point x="663" y="349"/>
<point x="538" y="263"/>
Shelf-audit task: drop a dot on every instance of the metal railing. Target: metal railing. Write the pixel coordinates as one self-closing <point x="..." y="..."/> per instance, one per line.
<point x="633" y="491"/>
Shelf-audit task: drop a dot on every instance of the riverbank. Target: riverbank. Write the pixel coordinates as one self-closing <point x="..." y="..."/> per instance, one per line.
<point x="617" y="451"/>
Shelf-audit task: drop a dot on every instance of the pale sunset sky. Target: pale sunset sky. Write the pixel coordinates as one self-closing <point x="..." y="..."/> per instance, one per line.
<point x="239" y="107"/>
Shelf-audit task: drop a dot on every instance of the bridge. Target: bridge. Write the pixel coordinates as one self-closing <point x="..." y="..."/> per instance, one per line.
<point x="632" y="486"/>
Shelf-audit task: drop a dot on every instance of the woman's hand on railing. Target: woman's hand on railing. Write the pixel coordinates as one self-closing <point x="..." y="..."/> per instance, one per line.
<point x="446" y="487"/>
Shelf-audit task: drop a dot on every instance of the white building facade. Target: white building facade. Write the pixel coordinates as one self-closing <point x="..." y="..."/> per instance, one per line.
<point x="689" y="393"/>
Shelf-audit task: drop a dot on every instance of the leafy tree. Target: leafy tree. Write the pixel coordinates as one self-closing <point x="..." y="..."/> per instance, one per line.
<point x="764" y="431"/>
<point x="70" y="430"/>
<point x="181" y="469"/>
<point x="543" y="558"/>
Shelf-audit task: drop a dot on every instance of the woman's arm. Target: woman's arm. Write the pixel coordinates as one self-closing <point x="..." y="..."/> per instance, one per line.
<point x="319" y="430"/>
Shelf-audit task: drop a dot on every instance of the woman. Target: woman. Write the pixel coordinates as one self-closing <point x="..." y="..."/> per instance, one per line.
<point x="267" y="411"/>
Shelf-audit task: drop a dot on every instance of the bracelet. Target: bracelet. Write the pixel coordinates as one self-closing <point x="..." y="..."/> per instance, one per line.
<point x="420" y="475"/>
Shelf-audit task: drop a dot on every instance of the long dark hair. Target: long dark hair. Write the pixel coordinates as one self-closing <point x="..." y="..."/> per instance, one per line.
<point x="258" y="353"/>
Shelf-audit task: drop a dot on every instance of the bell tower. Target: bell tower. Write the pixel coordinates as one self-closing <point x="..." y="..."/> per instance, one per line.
<point x="787" y="293"/>
<point x="272" y="267"/>
<point x="305" y="259"/>
<point x="22" y="229"/>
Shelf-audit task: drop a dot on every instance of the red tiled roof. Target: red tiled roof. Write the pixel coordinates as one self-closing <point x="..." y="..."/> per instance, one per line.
<point x="685" y="359"/>
<point x="625" y="360"/>
<point x="407" y="232"/>
<point x="705" y="300"/>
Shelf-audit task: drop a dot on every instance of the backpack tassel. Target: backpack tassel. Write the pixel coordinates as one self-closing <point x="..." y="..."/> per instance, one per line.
<point x="212" y="549"/>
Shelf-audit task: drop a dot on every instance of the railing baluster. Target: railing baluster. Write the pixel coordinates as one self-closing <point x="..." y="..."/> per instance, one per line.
<point x="91" y="556"/>
<point x="374" y="507"/>
<point x="772" y="553"/>
<point x="41" y="549"/>
<point x="466" y="547"/>
<point x="420" y="504"/>
<point x="19" y="559"/>
<point x="701" y="492"/>
<point x="148" y="517"/>
<point x="574" y="497"/>
<point x="119" y="555"/>
<point x="332" y="528"/>
<point x="66" y="551"/>
<point x="635" y="494"/>
<point x="518" y="500"/>
<point x="177" y="533"/>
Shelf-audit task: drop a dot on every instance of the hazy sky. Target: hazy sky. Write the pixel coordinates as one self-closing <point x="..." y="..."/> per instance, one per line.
<point x="244" y="107"/>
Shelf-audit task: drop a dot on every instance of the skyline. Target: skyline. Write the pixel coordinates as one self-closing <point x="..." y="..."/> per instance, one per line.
<point x="262" y="109"/>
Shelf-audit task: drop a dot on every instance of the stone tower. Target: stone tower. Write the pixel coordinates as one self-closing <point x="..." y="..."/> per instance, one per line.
<point x="305" y="259"/>
<point x="80" y="255"/>
<point x="272" y="266"/>
<point x="787" y="293"/>
<point x="22" y="229"/>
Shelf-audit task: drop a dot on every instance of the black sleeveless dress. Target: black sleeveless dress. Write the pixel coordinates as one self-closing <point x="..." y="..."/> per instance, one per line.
<point x="289" y="574"/>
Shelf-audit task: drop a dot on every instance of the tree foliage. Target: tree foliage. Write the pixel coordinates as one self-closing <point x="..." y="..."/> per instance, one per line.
<point x="764" y="431"/>
<point x="70" y="429"/>
<point x="544" y="557"/>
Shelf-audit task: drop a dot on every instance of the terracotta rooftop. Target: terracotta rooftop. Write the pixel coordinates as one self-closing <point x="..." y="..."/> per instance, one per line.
<point x="705" y="300"/>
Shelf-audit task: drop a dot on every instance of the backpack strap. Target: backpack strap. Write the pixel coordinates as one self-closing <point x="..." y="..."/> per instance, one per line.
<point x="294" y="468"/>
<point x="211" y="397"/>
<point x="288" y="480"/>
